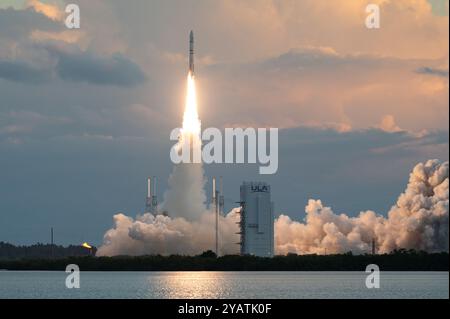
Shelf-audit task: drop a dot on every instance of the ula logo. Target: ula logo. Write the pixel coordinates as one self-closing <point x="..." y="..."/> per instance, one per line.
<point x="260" y="189"/>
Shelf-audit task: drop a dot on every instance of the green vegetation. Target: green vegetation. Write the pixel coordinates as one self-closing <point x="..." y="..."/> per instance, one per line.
<point x="401" y="260"/>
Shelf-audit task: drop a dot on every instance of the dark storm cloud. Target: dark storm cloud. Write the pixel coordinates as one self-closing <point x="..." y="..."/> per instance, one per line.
<point x="433" y="71"/>
<point x="88" y="67"/>
<point x="19" y="71"/>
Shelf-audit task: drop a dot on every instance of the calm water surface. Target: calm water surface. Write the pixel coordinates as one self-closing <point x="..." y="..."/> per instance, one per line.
<point x="208" y="284"/>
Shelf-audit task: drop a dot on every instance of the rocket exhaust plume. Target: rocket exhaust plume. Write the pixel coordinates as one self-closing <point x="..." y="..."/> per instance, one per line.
<point x="186" y="196"/>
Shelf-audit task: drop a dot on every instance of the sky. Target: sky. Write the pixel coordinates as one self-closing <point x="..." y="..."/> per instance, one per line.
<point x="85" y="114"/>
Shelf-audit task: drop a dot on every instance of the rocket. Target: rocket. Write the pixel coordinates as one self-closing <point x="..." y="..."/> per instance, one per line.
<point x="191" y="53"/>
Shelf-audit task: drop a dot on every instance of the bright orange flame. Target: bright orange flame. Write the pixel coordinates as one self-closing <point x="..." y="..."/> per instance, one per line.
<point x="86" y="245"/>
<point x="191" y="122"/>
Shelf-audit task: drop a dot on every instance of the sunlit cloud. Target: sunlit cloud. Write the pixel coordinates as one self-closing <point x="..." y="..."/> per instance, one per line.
<point x="49" y="10"/>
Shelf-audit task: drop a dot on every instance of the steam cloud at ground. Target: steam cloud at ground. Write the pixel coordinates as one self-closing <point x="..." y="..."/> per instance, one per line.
<point x="148" y="234"/>
<point x="419" y="220"/>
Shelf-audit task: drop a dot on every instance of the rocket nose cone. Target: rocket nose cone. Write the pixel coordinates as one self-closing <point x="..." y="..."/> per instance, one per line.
<point x="191" y="34"/>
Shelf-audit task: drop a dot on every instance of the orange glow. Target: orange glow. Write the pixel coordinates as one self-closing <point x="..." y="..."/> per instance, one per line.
<point x="86" y="245"/>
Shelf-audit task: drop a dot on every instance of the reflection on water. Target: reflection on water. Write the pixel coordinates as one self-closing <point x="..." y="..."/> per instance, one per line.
<point x="192" y="285"/>
<point x="246" y="285"/>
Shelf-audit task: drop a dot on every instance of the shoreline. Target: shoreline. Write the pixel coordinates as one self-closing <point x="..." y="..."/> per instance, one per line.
<point x="399" y="261"/>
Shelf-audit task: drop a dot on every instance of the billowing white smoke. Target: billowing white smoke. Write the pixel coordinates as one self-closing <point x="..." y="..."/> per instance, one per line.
<point x="418" y="221"/>
<point x="149" y="234"/>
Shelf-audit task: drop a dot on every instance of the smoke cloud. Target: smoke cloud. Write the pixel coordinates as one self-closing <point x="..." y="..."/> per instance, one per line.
<point x="419" y="220"/>
<point x="148" y="234"/>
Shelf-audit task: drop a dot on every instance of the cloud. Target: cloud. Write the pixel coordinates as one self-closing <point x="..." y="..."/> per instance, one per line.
<point x="313" y="86"/>
<point x="318" y="141"/>
<point x="86" y="66"/>
<point x="283" y="66"/>
<point x="31" y="36"/>
<point x="51" y="11"/>
<point x="74" y="65"/>
<point x="148" y="234"/>
<point x="440" y="7"/>
<point x="388" y="124"/>
<point x="16" y="24"/>
<point x="419" y="220"/>
<point x="433" y="71"/>
<point x="24" y="125"/>
<point x="68" y="36"/>
<point x="19" y="71"/>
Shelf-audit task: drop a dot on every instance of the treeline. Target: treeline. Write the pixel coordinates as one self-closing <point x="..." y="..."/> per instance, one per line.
<point x="396" y="261"/>
<point x="41" y="251"/>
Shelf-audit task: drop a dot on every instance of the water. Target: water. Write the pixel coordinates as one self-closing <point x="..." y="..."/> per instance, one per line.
<point x="209" y="284"/>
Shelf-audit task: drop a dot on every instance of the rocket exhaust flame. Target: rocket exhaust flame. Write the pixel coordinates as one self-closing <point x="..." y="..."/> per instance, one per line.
<point x="191" y="122"/>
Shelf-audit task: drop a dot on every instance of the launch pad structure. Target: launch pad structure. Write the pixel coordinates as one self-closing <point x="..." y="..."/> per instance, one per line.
<point x="218" y="204"/>
<point x="151" y="201"/>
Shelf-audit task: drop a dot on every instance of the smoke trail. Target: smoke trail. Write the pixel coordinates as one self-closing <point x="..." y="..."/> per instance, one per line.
<point x="186" y="195"/>
<point x="419" y="220"/>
